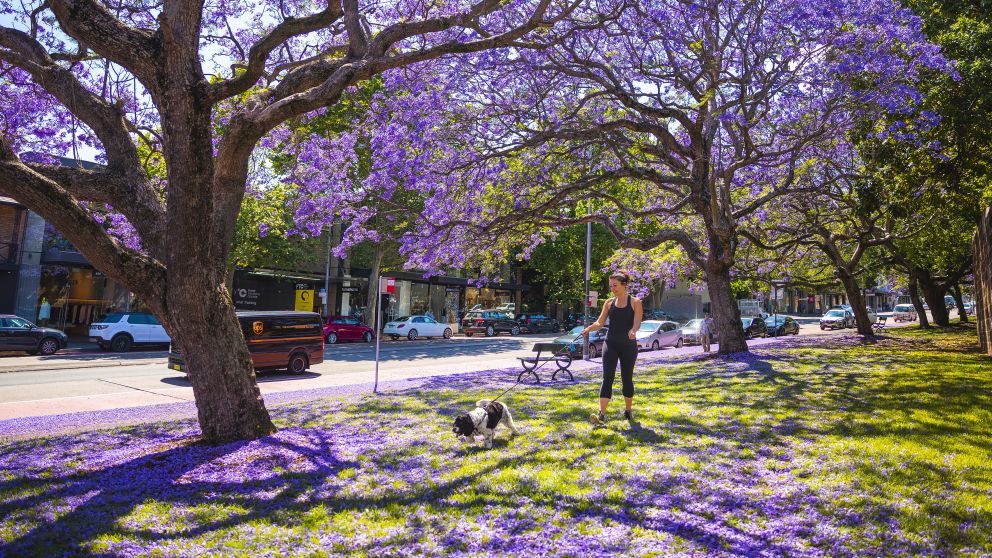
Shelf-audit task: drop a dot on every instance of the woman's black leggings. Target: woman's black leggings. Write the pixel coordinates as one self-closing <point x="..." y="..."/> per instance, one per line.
<point x="626" y="354"/>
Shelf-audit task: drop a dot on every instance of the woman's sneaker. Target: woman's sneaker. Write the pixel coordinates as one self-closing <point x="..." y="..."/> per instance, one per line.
<point x="598" y="419"/>
<point x="628" y="415"/>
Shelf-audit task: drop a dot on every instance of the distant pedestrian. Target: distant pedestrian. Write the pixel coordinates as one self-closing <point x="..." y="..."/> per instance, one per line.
<point x="624" y="313"/>
<point x="706" y="329"/>
<point x="44" y="313"/>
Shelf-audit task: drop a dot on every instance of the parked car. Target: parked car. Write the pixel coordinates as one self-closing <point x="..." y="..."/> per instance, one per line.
<point x="507" y="308"/>
<point x="572" y="320"/>
<point x="837" y="318"/>
<point x="119" y="331"/>
<point x="969" y="308"/>
<point x="754" y="327"/>
<point x="904" y="313"/>
<point x="781" y="325"/>
<point x="597" y="341"/>
<point x="690" y="332"/>
<point x="654" y="334"/>
<point x="872" y="316"/>
<point x="414" y="327"/>
<point x="657" y="314"/>
<point x="949" y="302"/>
<point x="346" y="328"/>
<point x="276" y="340"/>
<point x="489" y="322"/>
<point x="536" y="323"/>
<point x="18" y="334"/>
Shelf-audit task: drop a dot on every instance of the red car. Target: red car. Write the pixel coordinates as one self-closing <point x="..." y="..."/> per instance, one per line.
<point x="345" y="328"/>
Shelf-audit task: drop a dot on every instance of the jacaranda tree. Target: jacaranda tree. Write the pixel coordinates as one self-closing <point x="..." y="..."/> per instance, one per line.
<point x="201" y="83"/>
<point x="673" y="120"/>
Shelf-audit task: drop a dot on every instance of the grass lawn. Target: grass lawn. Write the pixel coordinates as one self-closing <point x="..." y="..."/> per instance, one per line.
<point x="816" y="447"/>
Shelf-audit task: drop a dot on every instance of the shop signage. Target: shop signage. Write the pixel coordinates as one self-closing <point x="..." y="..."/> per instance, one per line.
<point x="810" y="299"/>
<point x="593" y="297"/>
<point x="387" y="285"/>
<point x="246" y="297"/>
<point x="350" y="290"/>
<point x="304" y="300"/>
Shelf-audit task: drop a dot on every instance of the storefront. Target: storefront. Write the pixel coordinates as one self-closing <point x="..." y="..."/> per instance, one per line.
<point x="74" y="296"/>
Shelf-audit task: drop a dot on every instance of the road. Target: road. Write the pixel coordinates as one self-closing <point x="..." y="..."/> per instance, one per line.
<point x="92" y="380"/>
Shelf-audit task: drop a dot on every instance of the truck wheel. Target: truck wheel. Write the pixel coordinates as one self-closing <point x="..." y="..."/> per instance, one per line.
<point x="490" y="331"/>
<point x="297" y="363"/>
<point x="515" y="330"/>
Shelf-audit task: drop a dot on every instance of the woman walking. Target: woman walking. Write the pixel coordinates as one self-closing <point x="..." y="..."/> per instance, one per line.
<point x="624" y="313"/>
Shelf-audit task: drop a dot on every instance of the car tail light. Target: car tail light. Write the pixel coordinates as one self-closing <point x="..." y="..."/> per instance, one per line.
<point x="480" y="322"/>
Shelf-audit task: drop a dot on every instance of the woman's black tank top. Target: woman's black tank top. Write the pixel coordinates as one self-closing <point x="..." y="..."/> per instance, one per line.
<point x="621" y="322"/>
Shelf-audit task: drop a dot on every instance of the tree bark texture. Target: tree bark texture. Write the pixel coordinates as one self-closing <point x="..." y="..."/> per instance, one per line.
<point x="854" y="296"/>
<point x="914" y="296"/>
<point x="229" y="403"/>
<point x="726" y="314"/>
<point x="959" y="302"/>
<point x="374" y="298"/>
<point x="933" y="293"/>
<point x="982" y="254"/>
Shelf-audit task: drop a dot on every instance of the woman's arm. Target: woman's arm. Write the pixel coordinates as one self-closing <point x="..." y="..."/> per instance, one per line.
<point x="599" y="323"/>
<point x="638" y="307"/>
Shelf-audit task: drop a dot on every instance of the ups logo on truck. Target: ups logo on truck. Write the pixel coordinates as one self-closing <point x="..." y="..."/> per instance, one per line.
<point x="257" y="328"/>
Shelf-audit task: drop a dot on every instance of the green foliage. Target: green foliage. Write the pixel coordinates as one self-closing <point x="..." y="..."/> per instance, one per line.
<point x="260" y="235"/>
<point x="560" y="264"/>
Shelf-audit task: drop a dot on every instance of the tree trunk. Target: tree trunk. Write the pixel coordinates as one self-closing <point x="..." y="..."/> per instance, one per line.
<point x="853" y="292"/>
<point x="982" y="267"/>
<point x="726" y="314"/>
<point x="204" y="326"/>
<point x="959" y="302"/>
<point x="373" y="294"/>
<point x="934" y="295"/>
<point x="914" y="296"/>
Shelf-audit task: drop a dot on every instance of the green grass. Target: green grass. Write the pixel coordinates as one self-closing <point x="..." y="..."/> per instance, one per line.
<point x="842" y="448"/>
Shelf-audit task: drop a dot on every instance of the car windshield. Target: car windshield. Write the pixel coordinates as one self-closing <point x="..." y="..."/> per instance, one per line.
<point x="692" y="324"/>
<point x="774" y="320"/>
<point x="903" y="308"/>
<point x="835" y="313"/>
<point x="649" y="326"/>
<point x="746" y="321"/>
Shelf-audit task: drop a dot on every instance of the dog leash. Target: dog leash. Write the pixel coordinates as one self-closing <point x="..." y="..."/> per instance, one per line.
<point x="507" y="390"/>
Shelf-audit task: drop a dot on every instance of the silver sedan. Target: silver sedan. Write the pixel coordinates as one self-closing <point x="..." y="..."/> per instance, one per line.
<point x="655" y="334"/>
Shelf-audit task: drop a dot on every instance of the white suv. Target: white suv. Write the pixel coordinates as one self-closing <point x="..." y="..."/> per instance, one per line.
<point x="120" y="331"/>
<point x="872" y="316"/>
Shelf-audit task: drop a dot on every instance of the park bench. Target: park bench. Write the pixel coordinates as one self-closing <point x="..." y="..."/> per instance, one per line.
<point x="559" y="353"/>
<point x="880" y="324"/>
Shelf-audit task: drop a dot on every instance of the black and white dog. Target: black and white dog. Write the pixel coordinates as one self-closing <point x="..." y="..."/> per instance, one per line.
<point x="482" y="421"/>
